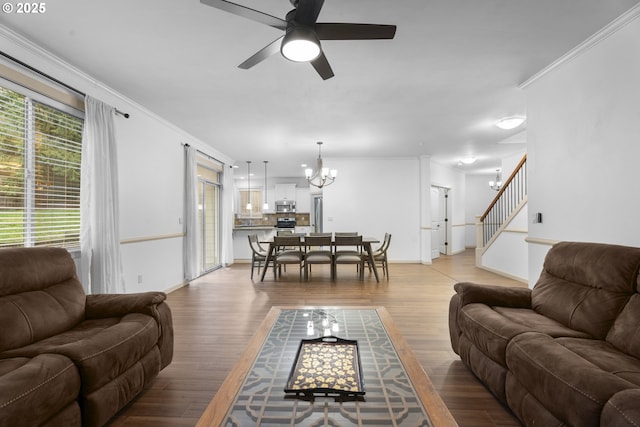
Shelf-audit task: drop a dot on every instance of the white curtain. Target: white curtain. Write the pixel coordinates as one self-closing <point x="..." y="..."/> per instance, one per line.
<point x="101" y="266"/>
<point x="190" y="252"/>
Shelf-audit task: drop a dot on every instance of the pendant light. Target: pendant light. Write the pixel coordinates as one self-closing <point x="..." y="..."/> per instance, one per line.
<point x="265" y="206"/>
<point x="249" y="207"/>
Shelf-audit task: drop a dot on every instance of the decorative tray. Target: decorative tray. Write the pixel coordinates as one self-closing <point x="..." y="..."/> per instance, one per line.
<point x="327" y="365"/>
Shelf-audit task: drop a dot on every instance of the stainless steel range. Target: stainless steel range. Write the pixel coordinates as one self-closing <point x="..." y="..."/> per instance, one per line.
<point x="288" y="223"/>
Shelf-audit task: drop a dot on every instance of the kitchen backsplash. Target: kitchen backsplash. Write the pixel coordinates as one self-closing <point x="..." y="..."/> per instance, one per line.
<point x="302" y="219"/>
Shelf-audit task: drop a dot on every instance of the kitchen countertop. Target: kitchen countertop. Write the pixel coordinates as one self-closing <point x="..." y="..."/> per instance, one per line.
<point x="254" y="227"/>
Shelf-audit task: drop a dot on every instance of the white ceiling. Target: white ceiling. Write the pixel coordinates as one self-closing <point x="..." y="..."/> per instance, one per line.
<point x="436" y="89"/>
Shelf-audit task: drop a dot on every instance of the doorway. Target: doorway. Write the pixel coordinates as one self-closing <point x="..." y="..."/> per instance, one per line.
<point x="316" y="213"/>
<point x="439" y="221"/>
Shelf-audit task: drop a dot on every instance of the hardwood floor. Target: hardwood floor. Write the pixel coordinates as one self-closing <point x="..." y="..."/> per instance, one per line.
<point x="217" y="314"/>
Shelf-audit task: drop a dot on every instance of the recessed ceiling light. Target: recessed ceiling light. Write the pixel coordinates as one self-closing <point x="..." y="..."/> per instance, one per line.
<point x="508" y="123"/>
<point x="468" y="160"/>
<point x="304" y="165"/>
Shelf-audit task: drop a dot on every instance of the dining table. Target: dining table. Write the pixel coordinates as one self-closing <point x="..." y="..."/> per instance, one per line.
<point x="366" y="245"/>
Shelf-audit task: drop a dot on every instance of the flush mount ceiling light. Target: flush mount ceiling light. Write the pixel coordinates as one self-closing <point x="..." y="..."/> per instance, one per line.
<point x="300" y="44"/>
<point x="322" y="176"/>
<point x="508" y="123"/>
<point x="468" y="160"/>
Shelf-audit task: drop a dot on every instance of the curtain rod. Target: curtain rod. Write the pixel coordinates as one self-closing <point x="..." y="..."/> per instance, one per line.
<point x="53" y="79"/>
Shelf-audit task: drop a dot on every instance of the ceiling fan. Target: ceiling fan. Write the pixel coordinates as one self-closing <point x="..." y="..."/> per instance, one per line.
<point x="301" y="41"/>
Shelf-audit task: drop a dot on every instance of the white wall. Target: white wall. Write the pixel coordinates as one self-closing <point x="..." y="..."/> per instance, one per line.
<point x="583" y="127"/>
<point x="374" y="196"/>
<point x="151" y="175"/>
<point x="508" y="254"/>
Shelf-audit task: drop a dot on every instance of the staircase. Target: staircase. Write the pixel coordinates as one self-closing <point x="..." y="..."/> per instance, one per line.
<point x="507" y="203"/>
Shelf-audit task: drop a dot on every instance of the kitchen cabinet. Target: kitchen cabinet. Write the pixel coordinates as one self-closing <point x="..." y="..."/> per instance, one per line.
<point x="285" y="192"/>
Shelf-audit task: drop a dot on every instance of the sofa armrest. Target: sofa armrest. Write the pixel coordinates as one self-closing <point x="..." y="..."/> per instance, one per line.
<point x="493" y="295"/>
<point x="117" y="305"/>
<point x="152" y="303"/>
<point x="622" y="409"/>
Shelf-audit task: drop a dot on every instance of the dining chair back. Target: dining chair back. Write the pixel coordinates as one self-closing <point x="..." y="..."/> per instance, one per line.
<point x="380" y="255"/>
<point x="318" y="250"/>
<point x="288" y="250"/>
<point x="349" y="256"/>
<point x="258" y="254"/>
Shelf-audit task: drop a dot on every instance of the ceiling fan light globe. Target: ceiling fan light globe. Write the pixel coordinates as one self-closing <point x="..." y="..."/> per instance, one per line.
<point x="300" y="50"/>
<point x="300" y="44"/>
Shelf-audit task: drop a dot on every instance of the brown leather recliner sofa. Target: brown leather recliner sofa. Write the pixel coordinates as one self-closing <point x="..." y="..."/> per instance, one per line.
<point x="70" y="359"/>
<point x="565" y="353"/>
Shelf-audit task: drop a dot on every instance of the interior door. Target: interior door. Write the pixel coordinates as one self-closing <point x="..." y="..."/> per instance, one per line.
<point x="439" y="221"/>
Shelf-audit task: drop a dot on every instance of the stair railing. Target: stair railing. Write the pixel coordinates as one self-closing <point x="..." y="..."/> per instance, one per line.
<point x="511" y="194"/>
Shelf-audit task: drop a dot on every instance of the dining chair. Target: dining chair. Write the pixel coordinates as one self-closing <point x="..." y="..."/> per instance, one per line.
<point x="288" y="250"/>
<point x="317" y="251"/>
<point x="349" y="256"/>
<point x="380" y="255"/>
<point x="258" y="253"/>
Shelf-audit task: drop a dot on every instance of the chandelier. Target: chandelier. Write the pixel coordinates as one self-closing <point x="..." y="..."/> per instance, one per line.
<point x="497" y="184"/>
<point x="322" y="176"/>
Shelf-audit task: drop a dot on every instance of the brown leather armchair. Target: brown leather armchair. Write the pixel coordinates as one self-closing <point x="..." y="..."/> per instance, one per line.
<point x="67" y="358"/>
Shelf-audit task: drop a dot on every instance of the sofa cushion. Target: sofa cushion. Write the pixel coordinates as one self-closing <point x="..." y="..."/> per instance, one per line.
<point x="32" y="316"/>
<point x="491" y="328"/>
<point x="32" y="269"/>
<point x="33" y="390"/>
<point x="572" y="388"/>
<point x="625" y="332"/>
<point x="606" y="357"/>
<point x="102" y="349"/>
<point x="584" y="286"/>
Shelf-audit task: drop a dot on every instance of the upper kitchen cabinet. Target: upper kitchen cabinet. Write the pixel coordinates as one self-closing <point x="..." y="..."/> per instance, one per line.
<point x="285" y="192"/>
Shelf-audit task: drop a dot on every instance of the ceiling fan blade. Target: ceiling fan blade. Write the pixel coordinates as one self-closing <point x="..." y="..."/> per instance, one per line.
<point x="339" y="31"/>
<point x="248" y="13"/>
<point x="262" y="54"/>
<point x="321" y="64"/>
<point x="307" y="11"/>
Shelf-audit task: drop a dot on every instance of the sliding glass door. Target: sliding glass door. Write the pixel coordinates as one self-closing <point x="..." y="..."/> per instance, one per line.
<point x="209" y="217"/>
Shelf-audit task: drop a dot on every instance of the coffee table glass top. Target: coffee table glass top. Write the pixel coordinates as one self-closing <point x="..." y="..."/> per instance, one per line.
<point x="390" y="398"/>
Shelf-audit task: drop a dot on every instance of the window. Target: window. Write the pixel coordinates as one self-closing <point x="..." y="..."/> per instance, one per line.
<point x="40" y="152"/>
<point x="256" y="203"/>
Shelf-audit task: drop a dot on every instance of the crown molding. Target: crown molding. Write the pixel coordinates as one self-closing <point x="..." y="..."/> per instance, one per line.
<point x="610" y="29"/>
<point x="90" y="85"/>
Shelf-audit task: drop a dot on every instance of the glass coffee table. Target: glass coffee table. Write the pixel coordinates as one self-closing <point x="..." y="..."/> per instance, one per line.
<point x="393" y="388"/>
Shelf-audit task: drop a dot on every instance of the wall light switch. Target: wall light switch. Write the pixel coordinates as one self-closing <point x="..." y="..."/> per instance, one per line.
<point x="537" y="218"/>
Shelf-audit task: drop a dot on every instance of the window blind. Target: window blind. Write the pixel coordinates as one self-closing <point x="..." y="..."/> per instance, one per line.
<point x="40" y="152"/>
